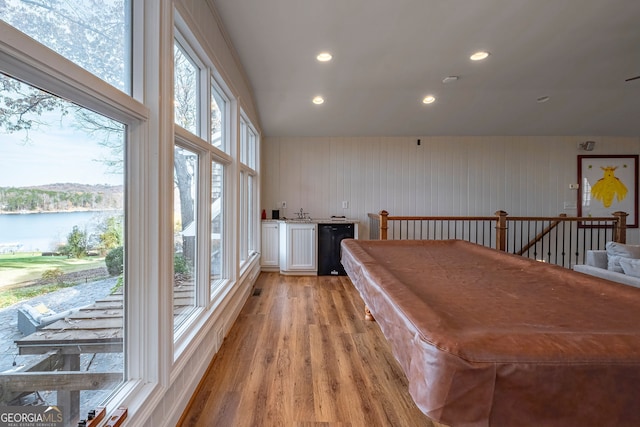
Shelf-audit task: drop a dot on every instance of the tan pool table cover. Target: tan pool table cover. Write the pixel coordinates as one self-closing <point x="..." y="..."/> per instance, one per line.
<point x="488" y="338"/>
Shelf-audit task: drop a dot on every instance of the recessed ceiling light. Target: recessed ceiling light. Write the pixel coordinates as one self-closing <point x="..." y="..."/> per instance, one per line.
<point x="429" y="99"/>
<point x="318" y="100"/>
<point x="324" y="57"/>
<point x="479" y="56"/>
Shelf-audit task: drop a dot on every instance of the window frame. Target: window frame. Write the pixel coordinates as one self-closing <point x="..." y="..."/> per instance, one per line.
<point x="248" y="192"/>
<point x="187" y="144"/>
<point x="215" y="86"/>
<point x="200" y="103"/>
<point x="208" y="297"/>
<point x="33" y="63"/>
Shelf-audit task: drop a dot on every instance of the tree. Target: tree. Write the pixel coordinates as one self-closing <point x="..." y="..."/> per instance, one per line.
<point x="92" y="34"/>
<point x="115" y="261"/>
<point x="110" y="233"/>
<point x="76" y="246"/>
<point x="184" y="168"/>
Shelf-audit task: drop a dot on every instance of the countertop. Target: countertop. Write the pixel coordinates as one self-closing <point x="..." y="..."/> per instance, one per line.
<point x="314" y="220"/>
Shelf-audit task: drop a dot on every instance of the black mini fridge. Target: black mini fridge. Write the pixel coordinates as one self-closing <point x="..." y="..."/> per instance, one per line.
<point x="329" y="238"/>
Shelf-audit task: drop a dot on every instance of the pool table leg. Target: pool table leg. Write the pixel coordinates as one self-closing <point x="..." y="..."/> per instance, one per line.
<point x="367" y="314"/>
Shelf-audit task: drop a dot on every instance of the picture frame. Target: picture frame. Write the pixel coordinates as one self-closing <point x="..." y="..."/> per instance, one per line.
<point x="608" y="184"/>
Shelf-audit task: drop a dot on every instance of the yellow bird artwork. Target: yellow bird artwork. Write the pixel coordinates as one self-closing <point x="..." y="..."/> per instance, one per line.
<point x="608" y="187"/>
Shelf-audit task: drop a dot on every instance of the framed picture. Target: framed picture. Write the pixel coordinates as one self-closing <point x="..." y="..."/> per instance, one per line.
<point x="608" y="184"/>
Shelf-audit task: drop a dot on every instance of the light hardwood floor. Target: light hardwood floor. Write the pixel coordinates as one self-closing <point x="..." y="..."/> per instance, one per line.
<point x="301" y="354"/>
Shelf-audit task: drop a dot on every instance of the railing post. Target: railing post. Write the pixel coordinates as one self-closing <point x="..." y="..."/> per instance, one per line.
<point x="620" y="228"/>
<point x="383" y="224"/>
<point x="501" y="231"/>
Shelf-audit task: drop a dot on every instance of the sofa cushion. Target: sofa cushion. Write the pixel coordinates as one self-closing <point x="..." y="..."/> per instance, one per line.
<point x="631" y="267"/>
<point x="616" y="251"/>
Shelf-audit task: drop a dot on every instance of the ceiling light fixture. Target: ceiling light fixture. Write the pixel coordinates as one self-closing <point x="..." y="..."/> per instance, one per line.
<point x="429" y="99"/>
<point x="318" y="100"/>
<point x="450" y="79"/>
<point x="479" y="56"/>
<point x="324" y="57"/>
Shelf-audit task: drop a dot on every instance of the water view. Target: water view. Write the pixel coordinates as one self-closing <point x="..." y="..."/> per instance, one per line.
<point x="44" y="232"/>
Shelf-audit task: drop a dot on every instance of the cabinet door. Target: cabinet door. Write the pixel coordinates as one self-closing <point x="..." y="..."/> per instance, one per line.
<point x="270" y="237"/>
<point x="301" y="254"/>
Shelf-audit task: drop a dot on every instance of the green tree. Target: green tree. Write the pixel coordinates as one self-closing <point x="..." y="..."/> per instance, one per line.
<point x="115" y="261"/>
<point x="110" y="233"/>
<point x="76" y="246"/>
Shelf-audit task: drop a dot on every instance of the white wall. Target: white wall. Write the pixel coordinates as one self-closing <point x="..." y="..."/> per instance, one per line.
<point x="441" y="176"/>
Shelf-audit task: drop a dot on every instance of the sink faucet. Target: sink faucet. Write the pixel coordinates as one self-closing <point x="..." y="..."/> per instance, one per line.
<point x="302" y="214"/>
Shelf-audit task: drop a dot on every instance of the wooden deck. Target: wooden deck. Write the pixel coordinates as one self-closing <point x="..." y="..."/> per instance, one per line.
<point x="93" y="329"/>
<point x="301" y="354"/>
<point x="97" y="328"/>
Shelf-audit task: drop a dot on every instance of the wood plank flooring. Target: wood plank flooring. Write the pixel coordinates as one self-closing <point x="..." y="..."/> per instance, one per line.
<point x="301" y="354"/>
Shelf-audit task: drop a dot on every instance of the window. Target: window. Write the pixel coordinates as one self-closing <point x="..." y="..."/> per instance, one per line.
<point x="217" y="225"/>
<point x="186" y="231"/>
<point x="94" y="34"/>
<point x="200" y="178"/>
<point x="62" y="211"/>
<point x="186" y="91"/>
<point x="219" y="117"/>
<point x="248" y="192"/>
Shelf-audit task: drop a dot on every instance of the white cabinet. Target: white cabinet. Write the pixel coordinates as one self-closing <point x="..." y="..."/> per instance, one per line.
<point x="298" y="248"/>
<point x="270" y="255"/>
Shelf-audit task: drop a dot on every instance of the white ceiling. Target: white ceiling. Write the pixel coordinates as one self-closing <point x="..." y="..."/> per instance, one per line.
<point x="389" y="54"/>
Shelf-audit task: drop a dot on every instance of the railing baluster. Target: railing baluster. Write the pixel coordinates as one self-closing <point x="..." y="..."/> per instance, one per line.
<point x="550" y="239"/>
<point x="564" y="228"/>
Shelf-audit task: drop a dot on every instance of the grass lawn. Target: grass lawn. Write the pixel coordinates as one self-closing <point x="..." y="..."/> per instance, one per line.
<point x="21" y="268"/>
<point x="25" y="267"/>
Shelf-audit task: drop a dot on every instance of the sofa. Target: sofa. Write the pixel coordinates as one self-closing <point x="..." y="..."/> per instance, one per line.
<point x="618" y="262"/>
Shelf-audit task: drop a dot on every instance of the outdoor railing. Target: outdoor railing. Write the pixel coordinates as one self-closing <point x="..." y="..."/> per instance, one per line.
<point x="560" y="240"/>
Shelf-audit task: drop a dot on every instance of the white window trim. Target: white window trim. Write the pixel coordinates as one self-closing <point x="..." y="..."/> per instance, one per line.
<point x="37" y="65"/>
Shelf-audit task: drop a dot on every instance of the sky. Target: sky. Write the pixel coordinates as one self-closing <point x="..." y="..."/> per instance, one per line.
<point x="57" y="153"/>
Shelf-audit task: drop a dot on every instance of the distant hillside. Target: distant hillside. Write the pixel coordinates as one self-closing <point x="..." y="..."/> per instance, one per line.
<point x="75" y="187"/>
<point x="61" y="197"/>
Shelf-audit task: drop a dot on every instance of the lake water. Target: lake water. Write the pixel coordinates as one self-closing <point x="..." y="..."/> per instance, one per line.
<point x="44" y="231"/>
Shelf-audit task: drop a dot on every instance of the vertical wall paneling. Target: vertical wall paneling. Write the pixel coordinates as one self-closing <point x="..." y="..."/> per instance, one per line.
<point x="522" y="175"/>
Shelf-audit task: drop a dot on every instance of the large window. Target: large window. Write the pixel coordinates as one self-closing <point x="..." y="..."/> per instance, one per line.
<point x="202" y="116"/>
<point x="92" y="33"/>
<point x="62" y="241"/>
<point x="248" y="191"/>
<point x="63" y="206"/>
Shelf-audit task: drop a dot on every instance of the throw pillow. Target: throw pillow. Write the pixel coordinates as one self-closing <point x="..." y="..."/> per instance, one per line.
<point x="631" y="267"/>
<point x="617" y="251"/>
